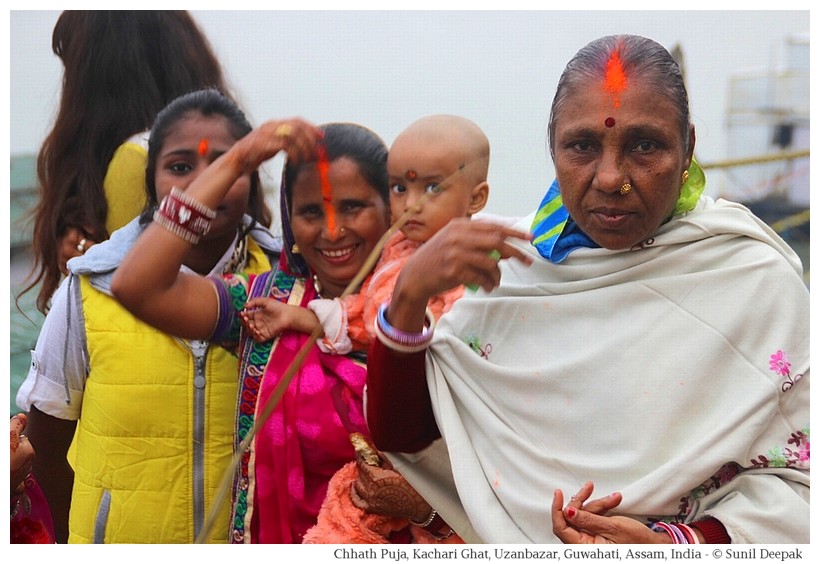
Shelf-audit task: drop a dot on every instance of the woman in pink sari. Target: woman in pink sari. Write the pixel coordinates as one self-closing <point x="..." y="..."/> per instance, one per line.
<point x="283" y="476"/>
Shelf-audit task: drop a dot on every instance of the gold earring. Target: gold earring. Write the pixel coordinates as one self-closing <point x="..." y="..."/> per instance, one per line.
<point x="626" y="189"/>
<point x="295" y="249"/>
<point x="684" y="177"/>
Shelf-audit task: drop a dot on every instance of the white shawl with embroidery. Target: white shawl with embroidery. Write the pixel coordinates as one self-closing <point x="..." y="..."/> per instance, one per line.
<point x="676" y="374"/>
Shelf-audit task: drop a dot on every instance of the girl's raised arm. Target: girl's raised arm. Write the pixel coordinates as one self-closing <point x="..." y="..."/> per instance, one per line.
<point x="149" y="282"/>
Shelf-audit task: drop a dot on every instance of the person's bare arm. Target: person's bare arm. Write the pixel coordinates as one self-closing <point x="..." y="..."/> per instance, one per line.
<point x="148" y="282"/>
<point x="51" y="437"/>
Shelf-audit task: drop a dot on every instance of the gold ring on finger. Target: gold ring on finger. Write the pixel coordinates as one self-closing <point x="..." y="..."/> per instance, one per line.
<point x="284" y="130"/>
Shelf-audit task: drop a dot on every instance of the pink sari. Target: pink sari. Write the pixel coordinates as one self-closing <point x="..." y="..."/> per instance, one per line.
<point x="283" y="479"/>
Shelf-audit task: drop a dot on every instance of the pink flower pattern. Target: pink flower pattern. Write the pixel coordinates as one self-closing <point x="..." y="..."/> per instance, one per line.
<point x="780" y="365"/>
<point x="797" y="455"/>
<point x="723" y="476"/>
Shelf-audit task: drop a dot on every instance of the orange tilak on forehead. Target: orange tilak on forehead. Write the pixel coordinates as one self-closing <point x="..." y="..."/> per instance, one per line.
<point x="203" y="147"/>
<point x="323" y="165"/>
<point x="614" y="82"/>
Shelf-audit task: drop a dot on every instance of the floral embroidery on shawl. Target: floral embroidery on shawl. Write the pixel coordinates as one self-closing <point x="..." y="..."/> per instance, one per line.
<point x="475" y="343"/>
<point x="720" y="478"/>
<point x="779" y="364"/>
<point x="795" y="456"/>
<point x="798" y="455"/>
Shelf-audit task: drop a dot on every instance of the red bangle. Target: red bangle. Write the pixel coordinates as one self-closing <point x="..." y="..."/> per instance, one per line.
<point x="183" y="216"/>
<point x="713" y="531"/>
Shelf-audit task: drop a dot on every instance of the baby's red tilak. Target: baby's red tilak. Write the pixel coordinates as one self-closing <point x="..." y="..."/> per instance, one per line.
<point x="203" y="147"/>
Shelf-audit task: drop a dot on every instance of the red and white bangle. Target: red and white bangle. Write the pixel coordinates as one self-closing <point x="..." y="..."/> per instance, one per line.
<point x="402" y="341"/>
<point x="689" y="533"/>
<point x="183" y="216"/>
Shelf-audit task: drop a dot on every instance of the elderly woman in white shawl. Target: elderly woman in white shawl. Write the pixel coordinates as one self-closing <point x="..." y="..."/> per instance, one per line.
<point x="646" y="341"/>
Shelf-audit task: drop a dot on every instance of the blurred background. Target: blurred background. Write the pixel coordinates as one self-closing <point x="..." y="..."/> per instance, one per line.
<point x="747" y="73"/>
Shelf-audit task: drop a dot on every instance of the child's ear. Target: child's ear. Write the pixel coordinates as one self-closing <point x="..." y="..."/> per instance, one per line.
<point x="478" y="198"/>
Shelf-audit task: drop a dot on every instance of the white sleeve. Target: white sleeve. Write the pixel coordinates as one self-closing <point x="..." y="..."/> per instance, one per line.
<point x="59" y="361"/>
<point x="332" y="315"/>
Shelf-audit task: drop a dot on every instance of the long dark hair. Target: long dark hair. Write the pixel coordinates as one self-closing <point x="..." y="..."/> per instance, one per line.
<point x="207" y="103"/>
<point x="120" y="69"/>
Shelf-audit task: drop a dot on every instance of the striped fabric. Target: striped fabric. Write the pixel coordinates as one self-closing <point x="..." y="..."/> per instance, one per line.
<point x="555" y="235"/>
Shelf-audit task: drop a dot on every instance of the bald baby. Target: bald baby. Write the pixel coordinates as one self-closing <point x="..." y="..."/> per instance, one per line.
<point x="438" y="170"/>
<point x="444" y="132"/>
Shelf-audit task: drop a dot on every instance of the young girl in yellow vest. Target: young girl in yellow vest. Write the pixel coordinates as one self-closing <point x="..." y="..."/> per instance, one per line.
<point x="154" y="414"/>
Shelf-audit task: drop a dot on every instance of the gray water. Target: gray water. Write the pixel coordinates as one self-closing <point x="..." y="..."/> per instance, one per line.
<point x="24" y="326"/>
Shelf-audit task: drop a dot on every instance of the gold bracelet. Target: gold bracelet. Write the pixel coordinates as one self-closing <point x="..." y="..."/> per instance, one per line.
<point x="429" y="520"/>
<point x="435" y="534"/>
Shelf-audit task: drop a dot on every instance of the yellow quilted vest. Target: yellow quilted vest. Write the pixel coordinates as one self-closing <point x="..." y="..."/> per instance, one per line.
<point x="156" y="429"/>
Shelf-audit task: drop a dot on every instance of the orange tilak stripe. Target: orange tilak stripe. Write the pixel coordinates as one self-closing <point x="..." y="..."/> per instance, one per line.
<point x="615" y="79"/>
<point x="327" y="190"/>
<point x="203" y="147"/>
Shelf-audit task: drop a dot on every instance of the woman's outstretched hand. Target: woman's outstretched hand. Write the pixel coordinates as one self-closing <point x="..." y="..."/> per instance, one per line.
<point x="586" y="522"/>
<point x="466" y="252"/>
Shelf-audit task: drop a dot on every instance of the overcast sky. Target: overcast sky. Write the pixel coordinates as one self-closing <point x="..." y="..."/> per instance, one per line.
<point x="385" y="69"/>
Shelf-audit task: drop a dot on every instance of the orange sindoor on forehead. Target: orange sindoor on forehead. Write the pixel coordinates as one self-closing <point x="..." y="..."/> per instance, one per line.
<point x="203" y="147"/>
<point x="323" y="165"/>
<point x="615" y="78"/>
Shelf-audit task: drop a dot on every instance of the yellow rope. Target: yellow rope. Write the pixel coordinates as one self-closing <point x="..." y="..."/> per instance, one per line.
<point x="782" y="156"/>
<point x="790" y="221"/>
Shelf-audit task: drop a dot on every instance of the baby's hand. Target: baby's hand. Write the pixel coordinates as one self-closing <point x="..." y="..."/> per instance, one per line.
<point x="267" y="318"/>
<point x="263" y="318"/>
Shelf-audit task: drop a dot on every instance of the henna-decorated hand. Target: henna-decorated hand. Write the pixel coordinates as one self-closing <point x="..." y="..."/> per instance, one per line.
<point x="381" y="489"/>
